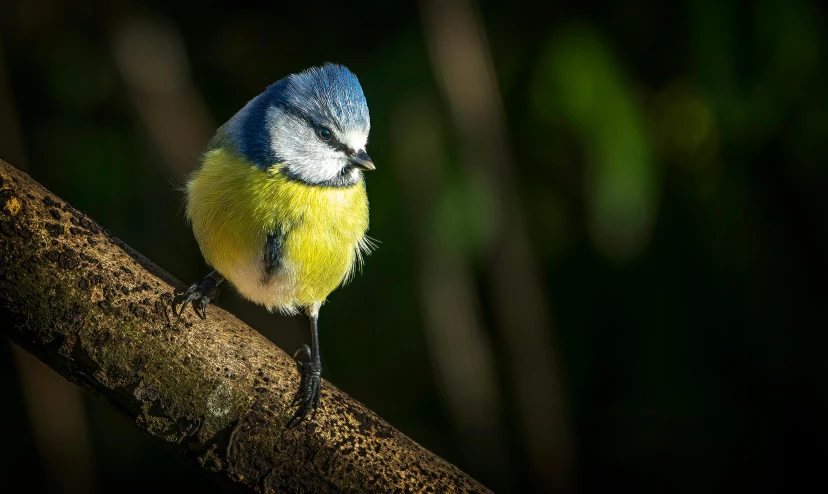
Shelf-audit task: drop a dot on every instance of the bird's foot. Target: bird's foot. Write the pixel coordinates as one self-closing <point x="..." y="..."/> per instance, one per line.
<point x="199" y="295"/>
<point x="310" y="386"/>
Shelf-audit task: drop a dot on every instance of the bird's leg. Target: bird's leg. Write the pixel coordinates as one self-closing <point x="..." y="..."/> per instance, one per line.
<point x="310" y="374"/>
<point x="200" y="295"/>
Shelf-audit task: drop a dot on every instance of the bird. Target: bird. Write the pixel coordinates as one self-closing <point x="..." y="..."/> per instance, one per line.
<point x="279" y="207"/>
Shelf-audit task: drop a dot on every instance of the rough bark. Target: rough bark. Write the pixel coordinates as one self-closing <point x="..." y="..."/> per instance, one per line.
<point x="215" y="392"/>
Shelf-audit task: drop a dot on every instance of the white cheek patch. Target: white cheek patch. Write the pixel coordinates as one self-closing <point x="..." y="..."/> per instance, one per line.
<point x="312" y="160"/>
<point x="317" y="167"/>
<point x="307" y="157"/>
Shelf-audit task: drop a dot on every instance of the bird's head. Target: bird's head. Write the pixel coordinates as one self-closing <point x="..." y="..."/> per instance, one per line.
<point x="316" y="125"/>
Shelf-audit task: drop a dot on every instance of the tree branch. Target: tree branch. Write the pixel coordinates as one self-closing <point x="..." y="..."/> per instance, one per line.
<point x="215" y="392"/>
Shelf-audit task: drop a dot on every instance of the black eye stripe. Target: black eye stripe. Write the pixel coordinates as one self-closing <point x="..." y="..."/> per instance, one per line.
<point x="335" y="143"/>
<point x="312" y="122"/>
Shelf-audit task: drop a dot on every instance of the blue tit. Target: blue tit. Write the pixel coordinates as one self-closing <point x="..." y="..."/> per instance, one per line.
<point x="278" y="204"/>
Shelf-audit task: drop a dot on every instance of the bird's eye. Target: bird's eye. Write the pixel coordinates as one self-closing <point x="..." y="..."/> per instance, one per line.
<point x="323" y="133"/>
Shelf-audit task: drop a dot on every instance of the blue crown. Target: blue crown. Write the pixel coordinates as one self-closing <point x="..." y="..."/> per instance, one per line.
<point x="329" y="94"/>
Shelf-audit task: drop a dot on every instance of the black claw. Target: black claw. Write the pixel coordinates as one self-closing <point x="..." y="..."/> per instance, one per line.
<point x="199" y="296"/>
<point x="316" y="398"/>
<point x="189" y="294"/>
<point x="310" y="387"/>
<point x="204" y="304"/>
<point x="302" y="355"/>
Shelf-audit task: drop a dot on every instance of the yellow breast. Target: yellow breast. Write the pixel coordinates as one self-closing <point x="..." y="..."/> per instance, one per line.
<point x="233" y="205"/>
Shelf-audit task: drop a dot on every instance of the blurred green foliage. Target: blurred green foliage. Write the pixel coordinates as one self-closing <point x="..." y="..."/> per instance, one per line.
<point x="670" y="158"/>
<point x="581" y="87"/>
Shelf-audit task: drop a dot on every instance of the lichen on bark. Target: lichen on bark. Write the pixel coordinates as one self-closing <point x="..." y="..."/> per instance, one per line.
<point x="214" y="392"/>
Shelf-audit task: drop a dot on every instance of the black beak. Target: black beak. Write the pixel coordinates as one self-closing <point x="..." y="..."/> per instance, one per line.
<point x="362" y="160"/>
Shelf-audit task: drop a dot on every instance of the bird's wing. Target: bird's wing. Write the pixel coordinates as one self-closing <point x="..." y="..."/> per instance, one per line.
<point x="273" y="250"/>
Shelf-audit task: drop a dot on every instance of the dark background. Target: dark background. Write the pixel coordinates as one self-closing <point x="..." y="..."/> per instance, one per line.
<point x="603" y="226"/>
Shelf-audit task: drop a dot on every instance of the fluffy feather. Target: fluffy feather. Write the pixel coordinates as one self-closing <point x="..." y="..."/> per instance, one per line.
<point x="234" y="204"/>
<point x="279" y="125"/>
